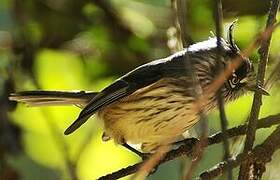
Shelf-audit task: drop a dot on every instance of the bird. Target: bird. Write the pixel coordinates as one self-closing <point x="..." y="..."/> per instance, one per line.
<point x="155" y="103"/>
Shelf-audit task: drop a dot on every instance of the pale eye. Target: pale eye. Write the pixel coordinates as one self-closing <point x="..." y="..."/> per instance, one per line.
<point x="234" y="81"/>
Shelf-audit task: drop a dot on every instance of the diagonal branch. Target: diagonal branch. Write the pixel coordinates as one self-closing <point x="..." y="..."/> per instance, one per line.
<point x="257" y="102"/>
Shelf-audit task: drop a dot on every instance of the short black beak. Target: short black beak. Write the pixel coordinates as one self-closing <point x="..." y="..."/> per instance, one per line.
<point x="258" y="89"/>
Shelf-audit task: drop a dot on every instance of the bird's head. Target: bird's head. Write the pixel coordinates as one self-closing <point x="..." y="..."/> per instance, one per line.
<point x="242" y="79"/>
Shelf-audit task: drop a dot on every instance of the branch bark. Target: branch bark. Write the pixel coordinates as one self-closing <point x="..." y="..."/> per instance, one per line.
<point x="257" y="102"/>
<point x="259" y="156"/>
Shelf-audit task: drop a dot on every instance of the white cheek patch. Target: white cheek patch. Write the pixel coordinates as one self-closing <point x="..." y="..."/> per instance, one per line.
<point x="232" y="85"/>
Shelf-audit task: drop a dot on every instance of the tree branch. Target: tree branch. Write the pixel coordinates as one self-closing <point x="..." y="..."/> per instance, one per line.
<point x="187" y="149"/>
<point x="257" y="102"/>
<point x="260" y="155"/>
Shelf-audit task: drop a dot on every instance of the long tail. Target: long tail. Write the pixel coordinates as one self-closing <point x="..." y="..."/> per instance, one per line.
<point x="50" y="98"/>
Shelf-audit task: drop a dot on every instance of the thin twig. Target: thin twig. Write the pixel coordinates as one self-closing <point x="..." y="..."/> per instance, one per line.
<point x="197" y="90"/>
<point x="151" y="163"/>
<point x="218" y="23"/>
<point x="188" y="146"/>
<point x="181" y="16"/>
<point x="179" y="8"/>
<point x="257" y="101"/>
<point x="180" y="43"/>
<point x="177" y="20"/>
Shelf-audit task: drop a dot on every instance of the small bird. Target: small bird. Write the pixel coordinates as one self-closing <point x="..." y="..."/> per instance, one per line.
<point x="154" y="103"/>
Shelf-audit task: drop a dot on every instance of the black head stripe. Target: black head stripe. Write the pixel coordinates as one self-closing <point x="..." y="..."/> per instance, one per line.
<point x="230" y="38"/>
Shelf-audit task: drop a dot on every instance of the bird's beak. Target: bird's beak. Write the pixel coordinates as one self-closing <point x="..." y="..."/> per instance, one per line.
<point x="258" y="89"/>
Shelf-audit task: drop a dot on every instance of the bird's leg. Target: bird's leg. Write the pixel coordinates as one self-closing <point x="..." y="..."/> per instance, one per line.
<point x="122" y="141"/>
<point x="144" y="156"/>
<point x="132" y="149"/>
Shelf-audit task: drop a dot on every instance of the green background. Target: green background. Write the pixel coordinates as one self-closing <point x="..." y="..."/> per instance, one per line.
<point x="85" y="45"/>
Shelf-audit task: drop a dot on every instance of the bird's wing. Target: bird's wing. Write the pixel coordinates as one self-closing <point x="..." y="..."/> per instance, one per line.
<point x="126" y="85"/>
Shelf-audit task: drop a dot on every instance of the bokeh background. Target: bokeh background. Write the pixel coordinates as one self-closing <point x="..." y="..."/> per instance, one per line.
<point x="85" y="45"/>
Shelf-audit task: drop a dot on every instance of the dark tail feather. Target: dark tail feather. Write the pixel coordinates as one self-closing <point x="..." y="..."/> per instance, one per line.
<point x="50" y="98"/>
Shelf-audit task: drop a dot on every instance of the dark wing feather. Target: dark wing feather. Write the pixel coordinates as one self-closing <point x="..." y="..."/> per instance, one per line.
<point x="129" y="83"/>
<point x="112" y="93"/>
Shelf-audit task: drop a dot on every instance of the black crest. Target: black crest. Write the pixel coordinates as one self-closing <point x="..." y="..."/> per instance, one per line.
<point x="230" y="37"/>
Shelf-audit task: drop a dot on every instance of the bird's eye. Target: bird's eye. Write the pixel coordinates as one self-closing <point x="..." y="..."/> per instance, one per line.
<point x="234" y="81"/>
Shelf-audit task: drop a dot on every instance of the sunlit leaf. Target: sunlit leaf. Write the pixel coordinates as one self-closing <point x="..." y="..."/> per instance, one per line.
<point x="59" y="70"/>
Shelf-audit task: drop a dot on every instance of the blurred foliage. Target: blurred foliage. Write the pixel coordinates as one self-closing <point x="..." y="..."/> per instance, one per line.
<point x="73" y="45"/>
